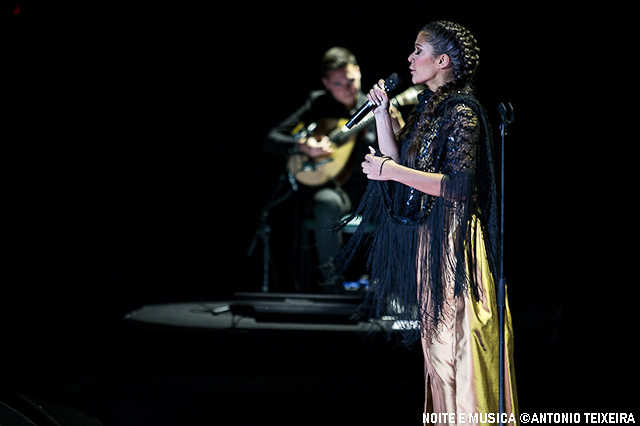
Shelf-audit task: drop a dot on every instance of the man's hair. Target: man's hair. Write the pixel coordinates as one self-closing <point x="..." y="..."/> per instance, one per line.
<point x="337" y="57"/>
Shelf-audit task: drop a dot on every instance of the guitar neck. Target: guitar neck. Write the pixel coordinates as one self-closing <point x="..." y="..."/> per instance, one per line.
<point x="342" y="133"/>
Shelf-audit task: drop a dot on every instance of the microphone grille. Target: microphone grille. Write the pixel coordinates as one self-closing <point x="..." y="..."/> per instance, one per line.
<point x="392" y="82"/>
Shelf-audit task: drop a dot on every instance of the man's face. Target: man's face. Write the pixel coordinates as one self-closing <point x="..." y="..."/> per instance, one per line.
<point x="344" y="84"/>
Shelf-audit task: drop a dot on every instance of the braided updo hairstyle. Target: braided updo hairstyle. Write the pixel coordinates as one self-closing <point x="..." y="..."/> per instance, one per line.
<point x="461" y="46"/>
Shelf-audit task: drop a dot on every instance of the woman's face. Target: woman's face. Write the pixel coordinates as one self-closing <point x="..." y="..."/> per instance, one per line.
<point x="422" y="62"/>
<point x="426" y="68"/>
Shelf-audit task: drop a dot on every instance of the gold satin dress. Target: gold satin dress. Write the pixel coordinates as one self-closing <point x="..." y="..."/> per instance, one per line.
<point x="461" y="363"/>
<point x="425" y="249"/>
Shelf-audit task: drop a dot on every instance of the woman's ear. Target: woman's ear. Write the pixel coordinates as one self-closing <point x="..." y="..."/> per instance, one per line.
<point x="444" y="61"/>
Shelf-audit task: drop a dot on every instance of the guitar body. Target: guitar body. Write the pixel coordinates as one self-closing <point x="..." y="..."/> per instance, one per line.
<point x="337" y="166"/>
<point x="318" y="171"/>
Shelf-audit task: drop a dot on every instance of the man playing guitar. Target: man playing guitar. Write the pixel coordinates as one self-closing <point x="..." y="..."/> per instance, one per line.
<point x="305" y="135"/>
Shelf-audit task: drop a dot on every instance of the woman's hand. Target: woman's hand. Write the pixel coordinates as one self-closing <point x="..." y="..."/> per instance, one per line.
<point x="374" y="167"/>
<point x="379" y="98"/>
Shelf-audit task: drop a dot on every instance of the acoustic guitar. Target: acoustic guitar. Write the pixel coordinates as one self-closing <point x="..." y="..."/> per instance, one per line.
<point x="320" y="170"/>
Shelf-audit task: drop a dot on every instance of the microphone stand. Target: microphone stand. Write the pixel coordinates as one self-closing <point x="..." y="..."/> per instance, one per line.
<point x="506" y="113"/>
<point x="264" y="229"/>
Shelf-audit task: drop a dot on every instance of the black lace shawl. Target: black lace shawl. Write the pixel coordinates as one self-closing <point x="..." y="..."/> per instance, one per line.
<point x="420" y="246"/>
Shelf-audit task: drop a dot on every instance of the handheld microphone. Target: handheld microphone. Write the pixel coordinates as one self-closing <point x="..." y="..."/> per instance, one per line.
<point x="390" y="84"/>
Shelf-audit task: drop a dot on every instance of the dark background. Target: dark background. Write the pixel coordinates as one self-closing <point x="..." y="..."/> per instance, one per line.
<point x="134" y="174"/>
<point x="136" y="157"/>
<point x="140" y="128"/>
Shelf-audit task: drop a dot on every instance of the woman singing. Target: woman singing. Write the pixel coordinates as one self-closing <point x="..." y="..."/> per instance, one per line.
<point x="432" y="208"/>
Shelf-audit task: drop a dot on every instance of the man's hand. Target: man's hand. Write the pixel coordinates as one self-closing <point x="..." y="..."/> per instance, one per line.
<point x="316" y="148"/>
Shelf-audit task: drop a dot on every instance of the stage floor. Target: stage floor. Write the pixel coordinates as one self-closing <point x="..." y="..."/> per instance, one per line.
<point x="198" y="363"/>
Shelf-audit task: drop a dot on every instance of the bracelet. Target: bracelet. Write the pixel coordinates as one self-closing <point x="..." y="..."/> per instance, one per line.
<point x="386" y="158"/>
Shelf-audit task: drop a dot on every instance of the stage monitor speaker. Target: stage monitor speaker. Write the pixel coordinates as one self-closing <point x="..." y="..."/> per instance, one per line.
<point x="298" y="307"/>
